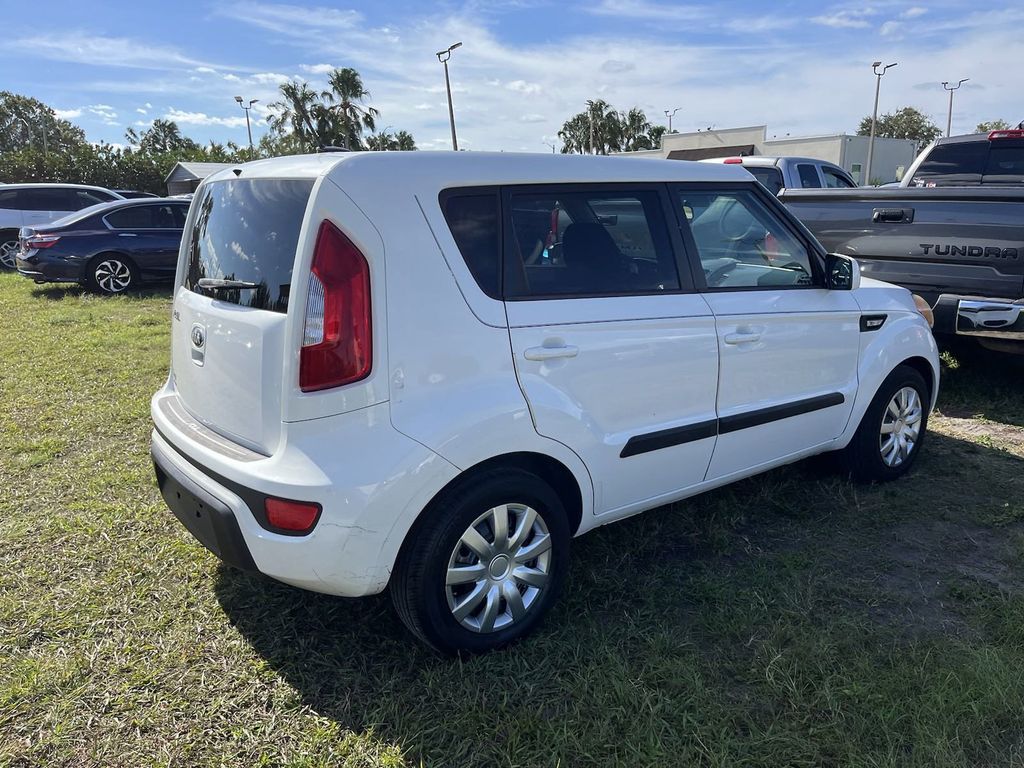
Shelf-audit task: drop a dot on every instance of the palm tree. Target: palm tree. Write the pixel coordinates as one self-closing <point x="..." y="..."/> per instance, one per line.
<point x="299" y="111"/>
<point x="575" y="135"/>
<point x="635" y="130"/>
<point x="391" y="142"/>
<point x="347" y="95"/>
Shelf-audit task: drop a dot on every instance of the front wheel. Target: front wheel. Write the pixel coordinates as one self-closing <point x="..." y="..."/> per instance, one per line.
<point x="484" y="564"/>
<point x="112" y="274"/>
<point x="890" y="434"/>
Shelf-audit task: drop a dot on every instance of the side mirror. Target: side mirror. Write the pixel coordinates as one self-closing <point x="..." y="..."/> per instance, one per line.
<point x="841" y="273"/>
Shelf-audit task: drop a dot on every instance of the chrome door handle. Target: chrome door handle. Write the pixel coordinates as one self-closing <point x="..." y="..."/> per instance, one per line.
<point x="742" y="338"/>
<point x="550" y="353"/>
<point x="126" y="234"/>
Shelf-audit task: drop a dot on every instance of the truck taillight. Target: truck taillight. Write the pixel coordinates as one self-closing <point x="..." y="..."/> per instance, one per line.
<point x="337" y="343"/>
<point x="733" y="161"/>
<point x="1010" y="133"/>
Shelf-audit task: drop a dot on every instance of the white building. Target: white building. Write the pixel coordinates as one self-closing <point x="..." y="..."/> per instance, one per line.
<point x="892" y="156"/>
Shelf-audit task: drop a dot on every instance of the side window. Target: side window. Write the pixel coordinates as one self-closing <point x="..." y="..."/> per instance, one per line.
<point x="10" y="200"/>
<point x="180" y="214"/>
<point x="808" y="176"/>
<point x="743" y="244"/>
<point x="84" y="198"/>
<point x="47" y="199"/>
<point x="134" y="217"/>
<point x="575" y="243"/>
<point x="834" y="179"/>
<point x="1005" y="163"/>
<point x="473" y="221"/>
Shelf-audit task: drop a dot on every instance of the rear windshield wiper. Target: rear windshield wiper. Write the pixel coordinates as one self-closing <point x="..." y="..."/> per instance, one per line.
<point x="220" y="283"/>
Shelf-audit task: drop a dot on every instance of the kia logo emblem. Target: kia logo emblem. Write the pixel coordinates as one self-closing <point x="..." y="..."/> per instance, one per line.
<point x="198" y="336"/>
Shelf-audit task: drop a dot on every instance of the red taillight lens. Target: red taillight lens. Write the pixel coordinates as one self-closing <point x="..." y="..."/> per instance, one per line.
<point x="1011" y="133"/>
<point x="299" y="516"/>
<point x="42" y="241"/>
<point x="337" y="343"/>
<point x="733" y="161"/>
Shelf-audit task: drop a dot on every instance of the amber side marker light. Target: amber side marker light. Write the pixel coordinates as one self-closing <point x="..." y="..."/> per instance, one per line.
<point x="925" y="310"/>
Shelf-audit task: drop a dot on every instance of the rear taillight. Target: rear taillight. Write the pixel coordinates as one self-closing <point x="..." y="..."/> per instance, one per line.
<point x="1010" y="133"/>
<point x="337" y="343"/>
<point x="296" y="516"/>
<point x="42" y="241"/>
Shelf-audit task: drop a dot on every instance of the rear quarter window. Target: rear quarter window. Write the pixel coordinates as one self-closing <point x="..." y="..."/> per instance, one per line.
<point x="473" y="219"/>
<point x="247" y="229"/>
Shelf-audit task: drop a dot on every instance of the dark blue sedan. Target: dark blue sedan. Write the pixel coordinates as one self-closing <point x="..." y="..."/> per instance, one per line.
<point x="110" y="247"/>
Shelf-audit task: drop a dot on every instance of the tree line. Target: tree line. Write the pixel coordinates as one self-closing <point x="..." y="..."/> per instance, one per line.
<point x="37" y="146"/>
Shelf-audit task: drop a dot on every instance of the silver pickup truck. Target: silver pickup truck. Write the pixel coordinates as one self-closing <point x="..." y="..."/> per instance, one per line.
<point x="961" y="249"/>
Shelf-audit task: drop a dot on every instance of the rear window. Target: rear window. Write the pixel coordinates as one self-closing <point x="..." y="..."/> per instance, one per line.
<point x="770" y="177"/>
<point x="1005" y="163"/>
<point x="951" y="164"/>
<point x="248" y="229"/>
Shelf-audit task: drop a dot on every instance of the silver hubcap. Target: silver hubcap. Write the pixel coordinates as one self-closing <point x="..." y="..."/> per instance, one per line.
<point x="112" y="275"/>
<point x="901" y="426"/>
<point x="7" y="251"/>
<point x="499" y="568"/>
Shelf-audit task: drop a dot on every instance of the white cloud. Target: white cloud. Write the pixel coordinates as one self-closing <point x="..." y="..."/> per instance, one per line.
<point x="317" y="69"/>
<point x="67" y="114"/>
<point x="201" y="118"/>
<point x="141" y="111"/>
<point x="206" y="70"/>
<point x="846" y="19"/>
<point x="913" y="13"/>
<point x="269" y="77"/>
<point x="532" y="118"/>
<point x="521" y="86"/>
<point x="890" y="29"/>
<point x="232" y="78"/>
<point x="90" y="48"/>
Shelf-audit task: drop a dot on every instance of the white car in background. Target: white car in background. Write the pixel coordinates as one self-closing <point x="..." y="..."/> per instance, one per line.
<point x="427" y="372"/>
<point x="28" y="205"/>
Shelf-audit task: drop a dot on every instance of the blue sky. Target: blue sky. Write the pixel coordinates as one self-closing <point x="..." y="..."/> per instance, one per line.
<point x="525" y="65"/>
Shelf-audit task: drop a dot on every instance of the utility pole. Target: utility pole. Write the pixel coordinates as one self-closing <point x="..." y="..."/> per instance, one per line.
<point x="874" y="115"/>
<point x="443" y="57"/>
<point x="949" y="116"/>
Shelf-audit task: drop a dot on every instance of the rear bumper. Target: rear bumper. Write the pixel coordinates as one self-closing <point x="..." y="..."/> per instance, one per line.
<point x="980" y="316"/>
<point x="370" y="480"/>
<point x="206" y="517"/>
<point x="50" y="269"/>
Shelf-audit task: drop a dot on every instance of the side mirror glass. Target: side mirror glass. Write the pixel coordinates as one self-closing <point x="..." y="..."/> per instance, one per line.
<point x="841" y="273"/>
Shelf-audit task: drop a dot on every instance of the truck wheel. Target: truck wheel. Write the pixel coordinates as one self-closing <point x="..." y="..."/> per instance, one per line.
<point x="890" y="434"/>
<point x="485" y="562"/>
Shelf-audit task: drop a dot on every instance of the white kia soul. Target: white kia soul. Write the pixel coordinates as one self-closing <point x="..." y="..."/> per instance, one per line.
<point x="429" y="371"/>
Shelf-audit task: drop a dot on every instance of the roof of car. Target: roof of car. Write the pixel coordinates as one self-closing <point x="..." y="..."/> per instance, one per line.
<point x="447" y="169"/>
<point x="48" y="185"/>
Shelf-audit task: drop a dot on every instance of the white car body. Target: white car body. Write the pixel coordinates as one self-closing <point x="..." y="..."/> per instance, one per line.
<point x="460" y="379"/>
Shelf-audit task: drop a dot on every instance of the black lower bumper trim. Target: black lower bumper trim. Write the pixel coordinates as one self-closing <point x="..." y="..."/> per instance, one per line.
<point x="206" y="517"/>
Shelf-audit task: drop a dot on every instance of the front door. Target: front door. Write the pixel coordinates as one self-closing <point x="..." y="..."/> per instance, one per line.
<point x="788" y="346"/>
<point x="615" y="353"/>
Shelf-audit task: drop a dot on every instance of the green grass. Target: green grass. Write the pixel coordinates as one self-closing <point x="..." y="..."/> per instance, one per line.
<point x="790" y="620"/>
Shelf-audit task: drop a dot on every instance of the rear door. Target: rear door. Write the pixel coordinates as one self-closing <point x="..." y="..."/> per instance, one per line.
<point x="151" y="234"/>
<point x="615" y="353"/>
<point x="229" y="346"/>
<point x="788" y="347"/>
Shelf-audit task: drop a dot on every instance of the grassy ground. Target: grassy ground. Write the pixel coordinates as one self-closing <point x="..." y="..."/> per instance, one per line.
<point x="793" y="619"/>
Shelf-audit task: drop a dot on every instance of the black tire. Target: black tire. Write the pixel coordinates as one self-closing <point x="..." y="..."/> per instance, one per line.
<point x="863" y="457"/>
<point x="112" y="274"/>
<point x="8" y="247"/>
<point x="418" y="585"/>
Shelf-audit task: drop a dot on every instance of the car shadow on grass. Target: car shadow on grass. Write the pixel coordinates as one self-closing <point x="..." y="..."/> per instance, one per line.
<point x="670" y="634"/>
<point x="63" y="291"/>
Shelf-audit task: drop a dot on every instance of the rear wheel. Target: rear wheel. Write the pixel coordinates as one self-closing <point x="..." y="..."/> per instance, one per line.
<point x="112" y="273"/>
<point x="484" y="564"/>
<point x="8" y="249"/>
<point x="890" y="434"/>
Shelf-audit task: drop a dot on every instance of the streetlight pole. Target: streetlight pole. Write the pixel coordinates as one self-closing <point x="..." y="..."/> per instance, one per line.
<point x="248" y="127"/>
<point x="874" y="114"/>
<point x="949" y="116"/>
<point x="548" y="143"/>
<point x="28" y="129"/>
<point x="443" y="57"/>
<point x="669" y="116"/>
